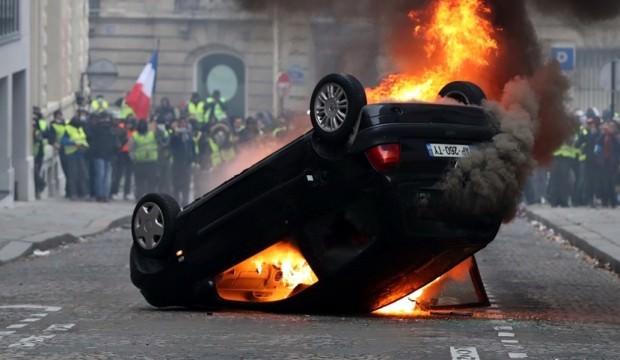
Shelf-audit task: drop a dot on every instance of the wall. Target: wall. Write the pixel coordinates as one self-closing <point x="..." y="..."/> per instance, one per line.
<point x="15" y="130"/>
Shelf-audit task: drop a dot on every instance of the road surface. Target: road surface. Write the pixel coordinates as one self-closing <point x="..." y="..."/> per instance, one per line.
<point x="78" y="303"/>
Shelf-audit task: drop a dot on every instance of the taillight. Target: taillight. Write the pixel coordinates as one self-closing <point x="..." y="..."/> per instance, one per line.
<point x="384" y="157"/>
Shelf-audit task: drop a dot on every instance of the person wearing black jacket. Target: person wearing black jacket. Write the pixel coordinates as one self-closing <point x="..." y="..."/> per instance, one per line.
<point x="165" y="113"/>
<point x="183" y="152"/>
<point x="104" y="145"/>
<point x="608" y="157"/>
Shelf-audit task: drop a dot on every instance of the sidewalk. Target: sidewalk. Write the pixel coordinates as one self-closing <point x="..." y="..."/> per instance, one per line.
<point x="594" y="231"/>
<point x="44" y="224"/>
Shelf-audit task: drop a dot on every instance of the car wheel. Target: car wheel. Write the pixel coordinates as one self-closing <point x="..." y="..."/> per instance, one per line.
<point x="464" y="92"/>
<point x="335" y="107"/>
<point x="152" y="224"/>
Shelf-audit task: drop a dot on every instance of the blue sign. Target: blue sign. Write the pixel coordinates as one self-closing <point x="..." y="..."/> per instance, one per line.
<point x="565" y="56"/>
<point x="296" y="75"/>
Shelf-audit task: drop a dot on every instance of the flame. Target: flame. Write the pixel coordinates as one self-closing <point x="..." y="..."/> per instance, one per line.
<point x="271" y="275"/>
<point x="459" y="42"/>
<point x="406" y="306"/>
<point x="409" y="305"/>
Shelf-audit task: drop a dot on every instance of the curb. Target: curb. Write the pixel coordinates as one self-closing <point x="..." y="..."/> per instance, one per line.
<point x="18" y="249"/>
<point x="581" y="244"/>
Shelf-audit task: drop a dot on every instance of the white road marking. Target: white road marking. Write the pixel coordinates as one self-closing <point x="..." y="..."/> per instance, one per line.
<point x="16" y="326"/>
<point x="39" y="314"/>
<point x="505" y="341"/>
<point x="464" y="353"/>
<point x="504" y="328"/>
<point x="30" y="320"/>
<point x="517" y="355"/>
<point x="59" y="327"/>
<point x="505" y="334"/>
<point x="31" y="341"/>
<point x="4" y="333"/>
<point x="32" y="307"/>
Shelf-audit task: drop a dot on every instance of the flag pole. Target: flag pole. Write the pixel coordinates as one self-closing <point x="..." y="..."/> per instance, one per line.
<point x="156" y="73"/>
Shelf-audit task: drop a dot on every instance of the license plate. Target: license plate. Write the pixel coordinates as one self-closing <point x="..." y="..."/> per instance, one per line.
<point x="447" y="150"/>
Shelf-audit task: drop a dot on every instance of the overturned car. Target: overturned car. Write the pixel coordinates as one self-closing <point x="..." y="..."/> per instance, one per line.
<point x="347" y="218"/>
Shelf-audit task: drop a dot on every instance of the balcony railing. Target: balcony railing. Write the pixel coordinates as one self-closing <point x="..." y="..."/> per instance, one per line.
<point x="9" y="20"/>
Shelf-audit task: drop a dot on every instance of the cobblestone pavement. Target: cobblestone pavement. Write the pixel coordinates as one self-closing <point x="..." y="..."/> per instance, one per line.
<point x="78" y="303"/>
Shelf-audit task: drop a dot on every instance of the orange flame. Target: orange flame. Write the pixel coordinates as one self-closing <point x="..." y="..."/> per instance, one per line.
<point x="271" y="275"/>
<point x="409" y="305"/>
<point x="459" y="42"/>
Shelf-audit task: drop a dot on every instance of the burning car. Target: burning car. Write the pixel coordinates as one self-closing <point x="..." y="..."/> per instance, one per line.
<point x="347" y="218"/>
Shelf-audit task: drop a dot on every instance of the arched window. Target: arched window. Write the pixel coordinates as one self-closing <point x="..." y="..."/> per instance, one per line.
<point x="226" y="74"/>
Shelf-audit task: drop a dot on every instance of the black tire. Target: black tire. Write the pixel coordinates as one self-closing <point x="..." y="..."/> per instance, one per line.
<point x="321" y="107"/>
<point x="464" y="92"/>
<point x="154" y="246"/>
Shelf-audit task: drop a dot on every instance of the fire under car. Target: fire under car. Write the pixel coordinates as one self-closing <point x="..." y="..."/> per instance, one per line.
<point x="347" y="218"/>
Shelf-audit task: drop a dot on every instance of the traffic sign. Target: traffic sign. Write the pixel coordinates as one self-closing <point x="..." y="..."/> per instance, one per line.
<point x="565" y="55"/>
<point x="283" y="84"/>
<point x="296" y="74"/>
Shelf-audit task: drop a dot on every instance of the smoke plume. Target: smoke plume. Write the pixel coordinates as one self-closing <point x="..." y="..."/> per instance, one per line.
<point x="489" y="182"/>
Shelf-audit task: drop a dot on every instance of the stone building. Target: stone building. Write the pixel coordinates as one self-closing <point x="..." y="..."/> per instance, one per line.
<point x="59" y="53"/>
<point x="15" y="150"/>
<point x="208" y="45"/>
<point x="594" y="45"/>
<point x="44" y="47"/>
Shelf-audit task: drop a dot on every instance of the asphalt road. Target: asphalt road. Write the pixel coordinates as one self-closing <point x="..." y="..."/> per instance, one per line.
<point x="78" y="303"/>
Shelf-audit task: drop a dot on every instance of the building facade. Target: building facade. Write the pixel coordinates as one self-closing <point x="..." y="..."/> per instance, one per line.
<point x="59" y="54"/>
<point x="16" y="181"/>
<point x="593" y="47"/>
<point x="208" y="45"/>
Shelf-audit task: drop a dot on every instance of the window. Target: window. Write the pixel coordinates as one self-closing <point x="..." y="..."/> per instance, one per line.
<point x="94" y="7"/>
<point x="9" y="19"/>
<point x="186" y="5"/>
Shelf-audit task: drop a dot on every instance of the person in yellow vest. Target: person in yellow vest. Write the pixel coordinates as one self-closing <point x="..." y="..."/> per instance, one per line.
<point x="196" y="108"/>
<point x="99" y="104"/>
<point x="559" y="180"/>
<point x="215" y="109"/>
<point x="221" y="146"/>
<point x="75" y="145"/>
<point x="57" y="132"/>
<point x="40" y="134"/>
<point x="126" y="110"/>
<point x="144" y="152"/>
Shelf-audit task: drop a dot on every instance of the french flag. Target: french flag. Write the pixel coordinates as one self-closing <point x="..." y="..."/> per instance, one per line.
<point x="140" y="96"/>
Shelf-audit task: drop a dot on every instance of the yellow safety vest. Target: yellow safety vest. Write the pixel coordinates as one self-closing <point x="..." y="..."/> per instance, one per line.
<point x="97" y="105"/>
<point x="145" y="147"/>
<point x="217" y="110"/>
<point x="78" y="136"/>
<point x="38" y="146"/>
<point x="59" y="130"/>
<point x="197" y="111"/>
<point x="126" y="111"/>
<point x="216" y="157"/>
<point x="566" y="151"/>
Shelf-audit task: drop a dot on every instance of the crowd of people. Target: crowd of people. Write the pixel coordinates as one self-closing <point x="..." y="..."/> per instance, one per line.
<point x="586" y="169"/>
<point x="112" y="155"/>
